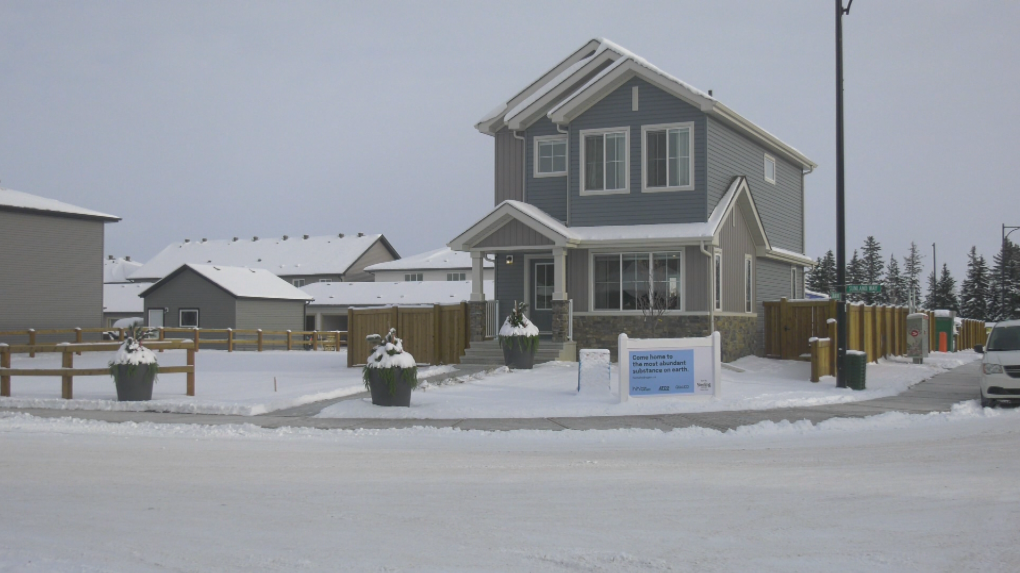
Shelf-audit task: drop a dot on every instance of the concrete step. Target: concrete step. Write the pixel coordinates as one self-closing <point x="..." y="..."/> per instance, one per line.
<point x="489" y="352"/>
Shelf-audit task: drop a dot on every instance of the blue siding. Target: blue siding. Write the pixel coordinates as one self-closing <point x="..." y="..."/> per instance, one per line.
<point x="547" y="193"/>
<point x="635" y="208"/>
<point x="780" y="206"/>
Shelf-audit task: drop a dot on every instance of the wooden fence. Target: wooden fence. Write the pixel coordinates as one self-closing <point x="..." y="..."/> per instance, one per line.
<point x="228" y="338"/>
<point x="433" y="334"/>
<point x="67" y="371"/>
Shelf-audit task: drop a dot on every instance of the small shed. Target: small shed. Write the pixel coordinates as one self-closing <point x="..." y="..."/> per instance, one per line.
<point x="212" y="296"/>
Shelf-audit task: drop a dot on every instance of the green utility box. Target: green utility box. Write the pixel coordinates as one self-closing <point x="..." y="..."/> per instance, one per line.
<point x="945" y="331"/>
<point x="855" y="369"/>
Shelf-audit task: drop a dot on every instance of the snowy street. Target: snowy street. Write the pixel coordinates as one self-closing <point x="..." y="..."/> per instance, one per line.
<point x="895" y="492"/>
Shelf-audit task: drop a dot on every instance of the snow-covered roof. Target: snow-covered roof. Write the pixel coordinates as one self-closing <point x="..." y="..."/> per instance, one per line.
<point x="12" y="199"/>
<point x="117" y="270"/>
<point x="370" y="294"/>
<point x="439" y="259"/>
<point x="242" y="282"/>
<point x="283" y="256"/>
<point x="594" y="55"/>
<point x="123" y="297"/>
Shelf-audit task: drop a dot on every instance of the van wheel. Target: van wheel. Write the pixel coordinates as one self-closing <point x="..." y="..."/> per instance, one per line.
<point x="987" y="402"/>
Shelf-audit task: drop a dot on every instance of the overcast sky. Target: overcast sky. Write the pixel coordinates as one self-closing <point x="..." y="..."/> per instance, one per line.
<point x="221" y="119"/>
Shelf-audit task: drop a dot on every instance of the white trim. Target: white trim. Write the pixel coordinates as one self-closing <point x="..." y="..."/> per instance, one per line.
<point x="180" y="317"/>
<point x="765" y="172"/>
<point x="535" y="279"/>
<point x="681" y="296"/>
<point x="626" y="161"/>
<point x="689" y="126"/>
<point x="749" y="276"/>
<point x="717" y="280"/>
<point x="536" y="141"/>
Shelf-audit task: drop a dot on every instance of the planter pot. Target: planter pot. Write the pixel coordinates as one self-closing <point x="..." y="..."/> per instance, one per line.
<point x="516" y="355"/>
<point x="134" y="383"/>
<point x="380" y="389"/>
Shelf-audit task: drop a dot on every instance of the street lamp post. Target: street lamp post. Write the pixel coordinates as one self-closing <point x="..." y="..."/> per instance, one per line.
<point x="840" y="215"/>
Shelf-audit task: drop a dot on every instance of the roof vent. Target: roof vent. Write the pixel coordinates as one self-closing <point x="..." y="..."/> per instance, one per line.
<point x="187" y="240"/>
<point x="235" y="239"/>
<point x="127" y="258"/>
<point x="285" y="237"/>
<point x="109" y="257"/>
<point x="254" y="238"/>
<point x="306" y="237"/>
<point x="341" y="235"/>
<point x="260" y="260"/>
<point x="203" y="239"/>
<point x="709" y="93"/>
<point x="361" y="234"/>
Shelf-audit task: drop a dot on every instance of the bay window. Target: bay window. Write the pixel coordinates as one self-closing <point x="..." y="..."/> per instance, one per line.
<point x="636" y="281"/>
<point x="668" y="157"/>
<point x="605" y="156"/>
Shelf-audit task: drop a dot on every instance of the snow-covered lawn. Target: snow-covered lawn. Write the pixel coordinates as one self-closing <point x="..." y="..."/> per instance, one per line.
<point x="890" y="493"/>
<point x="550" y="390"/>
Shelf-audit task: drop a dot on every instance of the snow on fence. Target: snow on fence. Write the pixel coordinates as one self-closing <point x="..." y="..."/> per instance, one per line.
<point x="433" y="334"/>
<point x="67" y="371"/>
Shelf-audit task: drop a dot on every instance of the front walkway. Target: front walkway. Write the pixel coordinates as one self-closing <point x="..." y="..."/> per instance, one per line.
<point x="934" y="395"/>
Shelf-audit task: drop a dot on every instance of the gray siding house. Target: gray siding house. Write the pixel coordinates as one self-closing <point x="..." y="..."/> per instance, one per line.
<point x="210" y="296"/>
<point x="51" y="263"/>
<point x="618" y="188"/>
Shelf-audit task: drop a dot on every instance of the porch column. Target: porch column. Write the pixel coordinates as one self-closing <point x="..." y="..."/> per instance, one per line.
<point x="477" y="276"/>
<point x="560" y="306"/>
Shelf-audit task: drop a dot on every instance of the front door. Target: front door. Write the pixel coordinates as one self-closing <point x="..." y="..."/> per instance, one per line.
<point x="155" y="317"/>
<point x="541" y="288"/>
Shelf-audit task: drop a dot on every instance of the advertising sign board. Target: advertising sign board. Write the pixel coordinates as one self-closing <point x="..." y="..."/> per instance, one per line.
<point x="669" y="366"/>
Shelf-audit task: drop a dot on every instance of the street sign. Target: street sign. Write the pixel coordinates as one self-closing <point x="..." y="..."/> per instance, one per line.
<point x="851" y="289"/>
<point x="836" y="295"/>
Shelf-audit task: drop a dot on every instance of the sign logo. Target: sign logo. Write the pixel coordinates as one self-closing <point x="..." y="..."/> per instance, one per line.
<point x="915" y="332"/>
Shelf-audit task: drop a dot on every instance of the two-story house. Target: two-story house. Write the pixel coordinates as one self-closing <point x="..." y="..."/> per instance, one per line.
<point x="619" y="189"/>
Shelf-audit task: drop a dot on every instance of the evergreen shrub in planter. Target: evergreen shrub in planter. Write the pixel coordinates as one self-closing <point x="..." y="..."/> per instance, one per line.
<point x="519" y="339"/>
<point x="390" y="373"/>
<point x="134" y="368"/>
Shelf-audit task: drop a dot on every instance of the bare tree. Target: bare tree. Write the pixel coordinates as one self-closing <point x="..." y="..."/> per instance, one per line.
<point x="654" y="305"/>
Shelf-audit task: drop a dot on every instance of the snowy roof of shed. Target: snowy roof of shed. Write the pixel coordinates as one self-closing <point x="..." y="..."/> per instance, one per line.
<point x="20" y="200"/>
<point x="123" y="297"/>
<point x="378" y="293"/>
<point x="242" y="282"/>
<point x="118" y="270"/>
<point x="606" y="65"/>
<point x="321" y="255"/>
<point x="439" y="259"/>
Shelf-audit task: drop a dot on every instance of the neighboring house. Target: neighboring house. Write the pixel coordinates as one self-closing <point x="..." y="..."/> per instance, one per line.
<point x="329" y="309"/>
<point x="51" y="256"/>
<point x="298" y="260"/>
<point x="211" y="296"/>
<point x="617" y="184"/>
<point x="439" y="265"/>
<point x="122" y="300"/>
<point x="117" y="270"/>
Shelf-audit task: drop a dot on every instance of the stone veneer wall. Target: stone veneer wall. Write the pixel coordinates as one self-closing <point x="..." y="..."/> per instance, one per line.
<point x="560" y="318"/>
<point x="737" y="332"/>
<point x="476" y="320"/>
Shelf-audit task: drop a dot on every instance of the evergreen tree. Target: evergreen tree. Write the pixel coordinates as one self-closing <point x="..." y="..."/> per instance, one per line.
<point x="812" y="277"/>
<point x="1005" y="283"/>
<point x="931" y="298"/>
<point x="974" y="292"/>
<point x="831" y="276"/>
<point x="854" y="276"/>
<point x="894" y="291"/>
<point x="912" y="269"/>
<point x="872" y="268"/>
<point x="945" y="291"/>
<point x="823" y="276"/>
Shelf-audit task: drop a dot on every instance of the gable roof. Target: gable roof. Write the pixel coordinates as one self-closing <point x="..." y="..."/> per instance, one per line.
<point x="322" y="255"/>
<point x="561" y="99"/>
<point x="21" y="201"/>
<point x="241" y="282"/>
<point x="737" y="196"/>
<point x="117" y="270"/>
<point x="439" y="259"/>
<point x="380" y="293"/>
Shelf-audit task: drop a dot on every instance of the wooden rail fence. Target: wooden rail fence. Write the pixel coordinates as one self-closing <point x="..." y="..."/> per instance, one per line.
<point x="433" y="334"/>
<point x="67" y="371"/>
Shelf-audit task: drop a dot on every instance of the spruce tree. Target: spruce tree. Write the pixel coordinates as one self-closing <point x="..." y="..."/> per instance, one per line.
<point x="823" y="276"/>
<point x="854" y="275"/>
<point x="812" y="278"/>
<point x="872" y="268"/>
<point x="945" y="291"/>
<point x="931" y="297"/>
<point x="894" y="291"/>
<point x="1005" y="283"/>
<point x="912" y="269"/>
<point x="974" y="292"/>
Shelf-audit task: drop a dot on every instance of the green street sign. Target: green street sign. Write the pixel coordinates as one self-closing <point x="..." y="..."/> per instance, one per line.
<point x="835" y="295"/>
<point x="852" y="289"/>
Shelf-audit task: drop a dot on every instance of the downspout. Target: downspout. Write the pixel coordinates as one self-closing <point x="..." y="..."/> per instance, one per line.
<point x="524" y="166"/>
<point x="711" y="288"/>
<point x="568" y="169"/>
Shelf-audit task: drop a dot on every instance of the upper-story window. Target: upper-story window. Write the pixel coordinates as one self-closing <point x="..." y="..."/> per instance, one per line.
<point x="668" y="157"/>
<point x="551" y="156"/>
<point x="414" y="277"/>
<point x="456" y="276"/>
<point x="770" y="169"/>
<point x="605" y="154"/>
<point x="299" y="282"/>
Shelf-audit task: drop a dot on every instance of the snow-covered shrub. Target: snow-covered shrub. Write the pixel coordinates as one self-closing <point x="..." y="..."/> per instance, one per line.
<point x="388" y="355"/>
<point x="132" y="354"/>
<point x="518" y="330"/>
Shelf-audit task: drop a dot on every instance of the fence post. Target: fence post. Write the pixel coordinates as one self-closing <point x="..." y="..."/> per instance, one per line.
<point x="230" y="340"/>
<point x="77" y="337"/>
<point x="833" y="347"/>
<point x="31" y="341"/>
<point x="315" y="340"/>
<point x="337" y="334"/>
<point x="197" y="334"/>
<point x="67" y="383"/>
<point x="191" y="374"/>
<point x="350" y="329"/>
<point x="290" y="338"/>
<point x="260" y="339"/>
<point x="5" y="379"/>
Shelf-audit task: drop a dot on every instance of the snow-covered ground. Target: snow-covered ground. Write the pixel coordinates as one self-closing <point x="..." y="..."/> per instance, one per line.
<point x="894" y="492"/>
<point x="550" y="390"/>
<point x="241" y="383"/>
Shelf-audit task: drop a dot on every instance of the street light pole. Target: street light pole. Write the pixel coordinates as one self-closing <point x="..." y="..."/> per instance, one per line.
<point x="840" y="214"/>
<point x="934" y="277"/>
